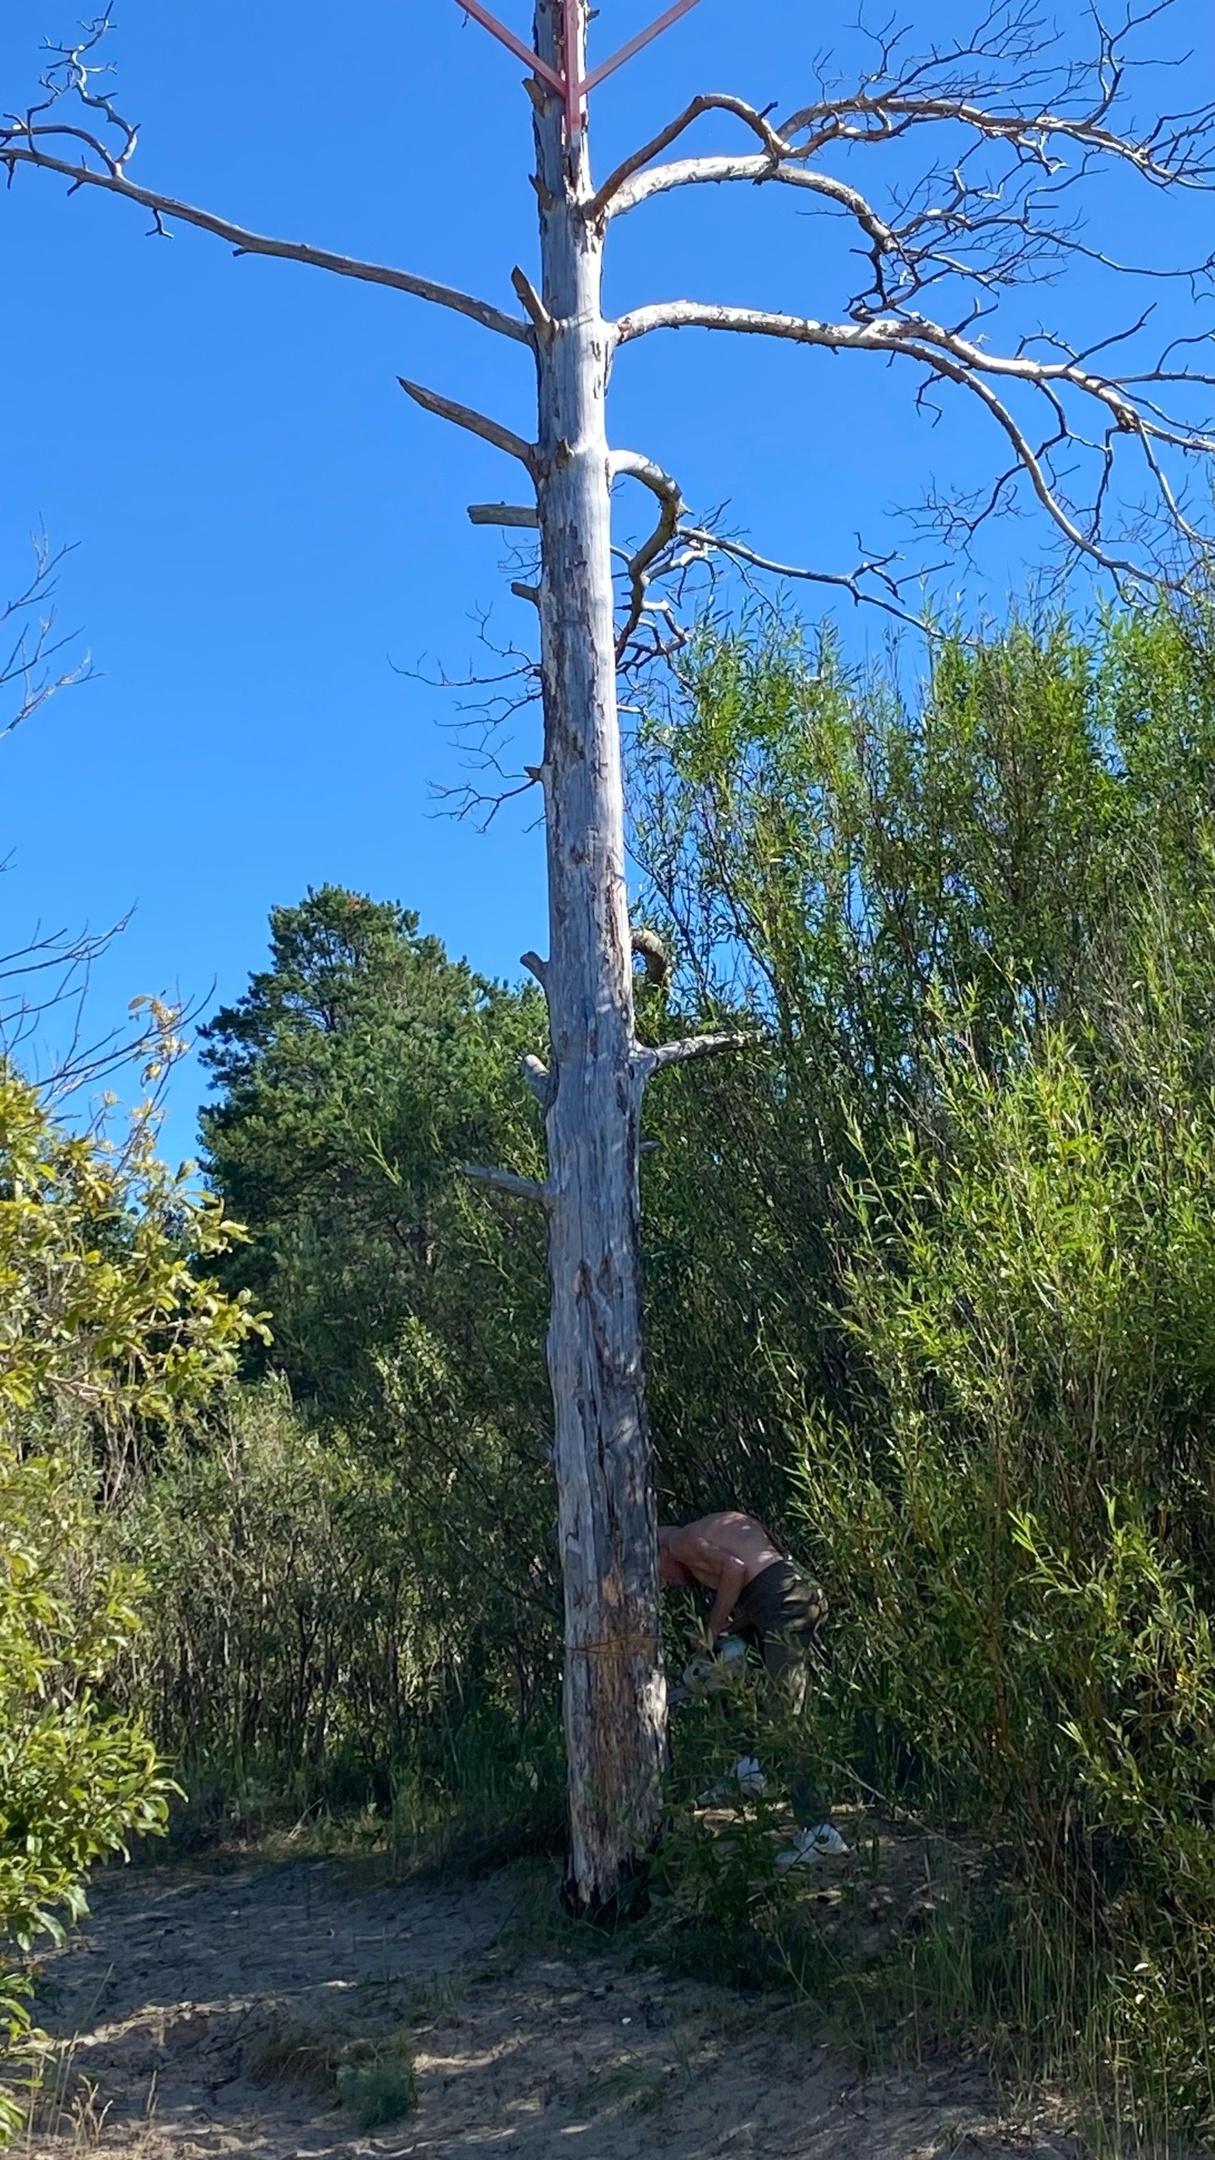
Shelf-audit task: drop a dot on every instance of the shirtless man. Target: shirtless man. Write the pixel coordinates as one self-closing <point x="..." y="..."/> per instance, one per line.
<point x="757" y="1590"/>
<point x="760" y="1594"/>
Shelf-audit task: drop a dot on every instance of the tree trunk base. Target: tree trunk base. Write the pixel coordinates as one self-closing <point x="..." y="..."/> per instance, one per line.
<point x="628" y="1902"/>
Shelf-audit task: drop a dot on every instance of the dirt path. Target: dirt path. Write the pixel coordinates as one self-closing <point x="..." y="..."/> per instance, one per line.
<point x="200" y="2013"/>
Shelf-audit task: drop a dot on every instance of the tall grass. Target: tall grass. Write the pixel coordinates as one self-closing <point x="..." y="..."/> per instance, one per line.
<point x="298" y="1662"/>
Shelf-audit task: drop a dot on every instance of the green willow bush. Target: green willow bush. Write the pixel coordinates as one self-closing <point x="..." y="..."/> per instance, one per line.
<point x="974" y="1182"/>
<point x="1021" y="1537"/>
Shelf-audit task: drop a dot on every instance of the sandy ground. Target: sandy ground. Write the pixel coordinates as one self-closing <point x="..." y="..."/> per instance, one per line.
<point x="201" y="2012"/>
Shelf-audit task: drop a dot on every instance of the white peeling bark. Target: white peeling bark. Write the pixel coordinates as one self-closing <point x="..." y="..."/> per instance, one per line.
<point x="614" y="1692"/>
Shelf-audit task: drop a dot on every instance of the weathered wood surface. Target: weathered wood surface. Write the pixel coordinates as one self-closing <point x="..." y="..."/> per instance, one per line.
<point x="614" y="1692"/>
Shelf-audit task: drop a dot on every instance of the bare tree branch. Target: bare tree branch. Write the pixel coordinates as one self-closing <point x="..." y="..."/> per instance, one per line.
<point x="1019" y="127"/>
<point x="875" y="567"/>
<point x="245" y="242"/>
<point x="491" y="431"/>
<point x="523" y="515"/>
<point x="101" y="164"/>
<point x="1167" y="160"/>
<point x="648" y="1062"/>
<point x="648" y="947"/>
<point x="960" y="86"/>
<point x="482" y="723"/>
<point x="505" y="1181"/>
<point x="1123" y="402"/>
<point x="705" y="170"/>
<point x="30" y="641"/>
<point x="52" y="975"/>
<point x="542" y="321"/>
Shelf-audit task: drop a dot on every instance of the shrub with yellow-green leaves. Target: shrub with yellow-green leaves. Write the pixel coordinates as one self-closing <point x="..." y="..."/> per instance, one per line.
<point x="109" y="1328"/>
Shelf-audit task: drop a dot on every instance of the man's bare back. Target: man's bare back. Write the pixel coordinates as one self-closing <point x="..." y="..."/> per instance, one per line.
<point x="722" y="1552"/>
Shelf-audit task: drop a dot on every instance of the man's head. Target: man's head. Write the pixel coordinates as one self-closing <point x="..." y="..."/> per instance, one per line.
<point x="672" y="1573"/>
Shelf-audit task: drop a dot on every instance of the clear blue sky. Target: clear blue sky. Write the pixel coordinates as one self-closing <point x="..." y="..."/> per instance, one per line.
<point x="267" y="530"/>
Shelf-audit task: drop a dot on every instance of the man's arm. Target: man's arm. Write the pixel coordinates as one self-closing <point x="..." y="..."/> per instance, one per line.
<point x="729" y="1590"/>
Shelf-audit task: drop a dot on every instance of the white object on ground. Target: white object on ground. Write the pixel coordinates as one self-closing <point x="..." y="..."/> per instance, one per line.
<point x="749" y="1775"/>
<point x="697" y="1673"/>
<point x="821" y="1842"/>
<point x="746" y="1777"/>
<point x="713" y="1669"/>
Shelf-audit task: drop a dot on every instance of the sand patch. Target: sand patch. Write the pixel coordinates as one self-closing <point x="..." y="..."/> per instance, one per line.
<point x="200" y="2013"/>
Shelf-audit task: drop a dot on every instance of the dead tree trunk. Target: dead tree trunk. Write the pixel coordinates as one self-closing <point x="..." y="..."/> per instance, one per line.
<point x="614" y="1693"/>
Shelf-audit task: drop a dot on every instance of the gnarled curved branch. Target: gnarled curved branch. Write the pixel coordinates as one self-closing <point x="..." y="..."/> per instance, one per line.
<point x="888" y="106"/>
<point x="630" y="464"/>
<point x="709" y="101"/>
<point x="649" y="948"/>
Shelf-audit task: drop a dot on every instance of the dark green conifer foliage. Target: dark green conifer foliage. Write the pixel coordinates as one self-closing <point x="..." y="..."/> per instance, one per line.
<point x="354" y="1077"/>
